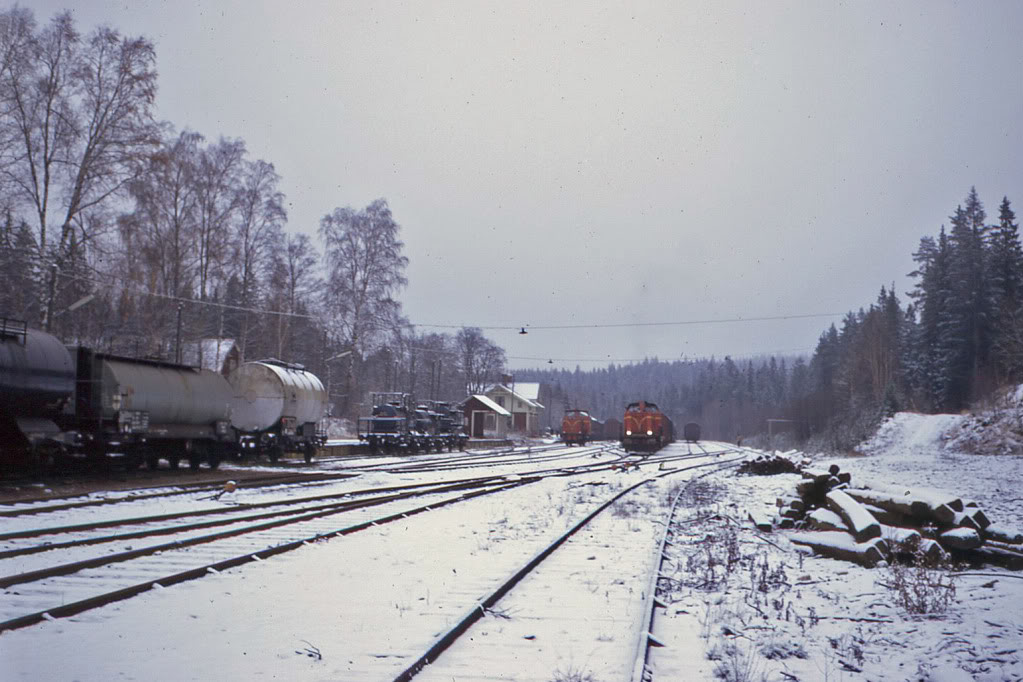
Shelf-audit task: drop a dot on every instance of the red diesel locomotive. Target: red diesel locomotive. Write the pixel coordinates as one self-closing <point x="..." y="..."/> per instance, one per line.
<point x="576" y="427"/>
<point x="646" y="428"/>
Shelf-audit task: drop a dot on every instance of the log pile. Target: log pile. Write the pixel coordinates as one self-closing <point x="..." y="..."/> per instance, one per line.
<point x="765" y="464"/>
<point x="828" y="515"/>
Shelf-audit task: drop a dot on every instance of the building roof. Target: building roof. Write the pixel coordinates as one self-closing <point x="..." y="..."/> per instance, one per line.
<point x="487" y="402"/>
<point x="529" y="401"/>
<point x="528" y="389"/>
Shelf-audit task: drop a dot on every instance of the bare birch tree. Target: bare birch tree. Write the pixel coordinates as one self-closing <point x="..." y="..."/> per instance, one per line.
<point x="481" y="360"/>
<point x="259" y="219"/>
<point x="154" y="251"/>
<point x="216" y="185"/>
<point x="365" y="271"/>
<point x="166" y="207"/>
<point x="17" y="35"/>
<point x="82" y="115"/>
<point x="293" y="280"/>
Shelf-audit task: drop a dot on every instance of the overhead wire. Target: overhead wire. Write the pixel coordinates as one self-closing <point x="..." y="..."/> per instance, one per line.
<point x="609" y="359"/>
<point x="612" y="325"/>
<point x="136" y="288"/>
<point x="528" y="327"/>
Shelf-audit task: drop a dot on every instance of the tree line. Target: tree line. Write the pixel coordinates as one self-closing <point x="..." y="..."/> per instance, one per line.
<point x="729" y="399"/>
<point x="121" y="232"/>
<point x="955" y="342"/>
<point x="957" y="339"/>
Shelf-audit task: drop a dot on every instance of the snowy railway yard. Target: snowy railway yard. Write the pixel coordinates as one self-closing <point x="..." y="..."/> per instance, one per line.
<point x="486" y="565"/>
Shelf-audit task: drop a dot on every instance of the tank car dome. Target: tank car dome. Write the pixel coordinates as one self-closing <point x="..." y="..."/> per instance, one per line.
<point x="267" y="391"/>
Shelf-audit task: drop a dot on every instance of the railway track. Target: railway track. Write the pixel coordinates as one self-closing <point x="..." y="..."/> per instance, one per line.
<point x="647" y="639"/>
<point x="24" y="542"/>
<point x="31" y="597"/>
<point x="41" y="505"/>
<point x="28" y="599"/>
<point x="31" y="585"/>
<point x="506" y="457"/>
<point x="533" y="598"/>
<point x="395" y="458"/>
<point x="12" y="541"/>
<point x="49" y="503"/>
<point x="373" y="603"/>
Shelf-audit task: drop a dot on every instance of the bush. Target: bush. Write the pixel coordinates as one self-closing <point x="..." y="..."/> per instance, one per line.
<point x="922" y="586"/>
<point x="572" y="675"/>
<point x="736" y="663"/>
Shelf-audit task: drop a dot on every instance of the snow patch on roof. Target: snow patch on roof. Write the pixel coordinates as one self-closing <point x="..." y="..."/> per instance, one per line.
<point x="515" y="393"/>
<point x="492" y="405"/>
<point x="530" y="390"/>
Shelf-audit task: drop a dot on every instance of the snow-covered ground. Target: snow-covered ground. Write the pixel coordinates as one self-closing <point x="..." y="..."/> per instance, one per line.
<point x="781" y="615"/>
<point x="368" y="603"/>
<point x="742" y="605"/>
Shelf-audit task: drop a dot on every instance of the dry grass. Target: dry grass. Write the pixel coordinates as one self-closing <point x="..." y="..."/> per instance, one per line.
<point x="922" y="587"/>
<point x="737" y="662"/>
<point x="573" y="674"/>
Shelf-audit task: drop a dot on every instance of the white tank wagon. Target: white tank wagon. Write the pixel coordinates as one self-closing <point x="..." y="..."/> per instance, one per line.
<point x="277" y="407"/>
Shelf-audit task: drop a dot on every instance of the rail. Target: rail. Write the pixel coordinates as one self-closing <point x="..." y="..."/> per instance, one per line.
<point x="444" y="641"/>
<point x="96" y="601"/>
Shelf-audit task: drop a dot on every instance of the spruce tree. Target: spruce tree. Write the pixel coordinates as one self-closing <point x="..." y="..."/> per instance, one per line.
<point x="1007" y="283"/>
<point x="1006" y="259"/>
<point x="931" y="294"/>
<point x="964" y="344"/>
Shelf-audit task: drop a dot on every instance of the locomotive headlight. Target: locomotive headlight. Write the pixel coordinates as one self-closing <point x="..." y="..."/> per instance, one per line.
<point x="628" y="433"/>
<point x="649" y="433"/>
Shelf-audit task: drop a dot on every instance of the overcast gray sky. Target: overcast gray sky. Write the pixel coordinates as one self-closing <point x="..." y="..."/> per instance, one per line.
<point x="569" y="163"/>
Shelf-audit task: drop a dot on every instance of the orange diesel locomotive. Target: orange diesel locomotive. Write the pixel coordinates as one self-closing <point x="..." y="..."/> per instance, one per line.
<point x="576" y="427"/>
<point x="646" y="428"/>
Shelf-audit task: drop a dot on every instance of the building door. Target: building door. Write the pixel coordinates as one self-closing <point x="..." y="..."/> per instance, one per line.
<point x="478" y="421"/>
<point x="520" y="422"/>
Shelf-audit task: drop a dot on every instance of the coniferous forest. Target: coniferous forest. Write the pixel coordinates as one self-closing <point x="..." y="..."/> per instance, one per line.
<point x="954" y="340"/>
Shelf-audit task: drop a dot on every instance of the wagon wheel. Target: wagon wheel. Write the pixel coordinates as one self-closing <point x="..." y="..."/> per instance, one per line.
<point x="133" y="459"/>
<point x="97" y="459"/>
<point x="96" y="456"/>
<point x="174" y="461"/>
<point x="275" y="453"/>
<point x="140" y="454"/>
<point x="44" y="458"/>
<point x="214" y="457"/>
<point x="152" y="459"/>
